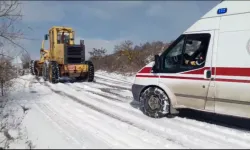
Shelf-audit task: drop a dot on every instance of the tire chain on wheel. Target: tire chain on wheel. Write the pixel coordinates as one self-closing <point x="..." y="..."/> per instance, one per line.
<point x="164" y="102"/>
<point x="55" y="72"/>
<point x="91" y="71"/>
<point x="45" y="71"/>
<point x="32" y="67"/>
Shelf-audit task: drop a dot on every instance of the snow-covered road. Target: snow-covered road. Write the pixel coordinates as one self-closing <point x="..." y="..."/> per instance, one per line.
<point x="102" y="115"/>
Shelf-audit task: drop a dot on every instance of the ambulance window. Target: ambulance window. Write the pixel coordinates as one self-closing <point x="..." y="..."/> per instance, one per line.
<point x="195" y="51"/>
<point x="192" y="46"/>
<point x="172" y="57"/>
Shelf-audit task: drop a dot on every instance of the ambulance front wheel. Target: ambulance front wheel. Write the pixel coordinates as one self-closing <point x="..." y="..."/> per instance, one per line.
<point x="154" y="102"/>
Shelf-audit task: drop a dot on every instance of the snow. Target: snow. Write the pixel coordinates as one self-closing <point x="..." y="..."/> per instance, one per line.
<point x="127" y="78"/>
<point x="101" y="114"/>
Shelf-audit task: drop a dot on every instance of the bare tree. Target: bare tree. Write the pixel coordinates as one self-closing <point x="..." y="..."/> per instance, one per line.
<point x="10" y="35"/>
<point x="124" y="46"/>
<point x="10" y="15"/>
<point x="126" y="49"/>
<point x="6" y="74"/>
<point x="97" y="53"/>
<point x="130" y="58"/>
<point x="25" y="58"/>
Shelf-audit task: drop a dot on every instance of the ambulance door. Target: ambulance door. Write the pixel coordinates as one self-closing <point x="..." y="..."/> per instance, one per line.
<point x="189" y="82"/>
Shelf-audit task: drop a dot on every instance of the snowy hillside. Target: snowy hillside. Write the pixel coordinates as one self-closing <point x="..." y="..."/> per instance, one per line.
<point x="102" y="115"/>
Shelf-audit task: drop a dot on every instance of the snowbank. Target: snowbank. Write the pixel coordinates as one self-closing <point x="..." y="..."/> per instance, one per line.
<point x="12" y="113"/>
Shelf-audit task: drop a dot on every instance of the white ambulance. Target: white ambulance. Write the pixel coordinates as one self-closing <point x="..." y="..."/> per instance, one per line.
<point x="206" y="68"/>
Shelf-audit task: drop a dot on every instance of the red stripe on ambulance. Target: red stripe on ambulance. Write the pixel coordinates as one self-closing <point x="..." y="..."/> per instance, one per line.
<point x="221" y="71"/>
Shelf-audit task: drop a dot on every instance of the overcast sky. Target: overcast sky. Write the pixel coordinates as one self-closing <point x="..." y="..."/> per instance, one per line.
<point x="106" y="23"/>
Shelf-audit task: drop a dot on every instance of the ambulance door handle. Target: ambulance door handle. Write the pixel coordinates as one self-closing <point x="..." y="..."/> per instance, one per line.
<point x="207" y="74"/>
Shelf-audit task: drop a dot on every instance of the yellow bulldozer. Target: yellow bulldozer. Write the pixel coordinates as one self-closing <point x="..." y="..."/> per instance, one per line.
<point x="63" y="59"/>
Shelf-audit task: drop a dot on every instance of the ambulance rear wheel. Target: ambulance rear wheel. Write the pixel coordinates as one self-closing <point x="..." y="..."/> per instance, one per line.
<point x="154" y="102"/>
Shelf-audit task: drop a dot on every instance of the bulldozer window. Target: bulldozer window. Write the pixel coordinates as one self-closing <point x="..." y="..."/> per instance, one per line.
<point x="59" y="38"/>
<point x="66" y="39"/>
<point x="52" y="39"/>
<point x="62" y="38"/>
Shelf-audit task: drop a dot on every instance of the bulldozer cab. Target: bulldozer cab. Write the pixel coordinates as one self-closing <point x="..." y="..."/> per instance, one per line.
<point x="60" y="35"/>
<point x="62" y="47"/>
<point x="63" y="37"/>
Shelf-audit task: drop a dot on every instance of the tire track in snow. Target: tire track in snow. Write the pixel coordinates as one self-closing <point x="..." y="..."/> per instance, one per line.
<point x="113" y="85"/>
<point x="104" y="92"/>
<point x="211" y="137"/>
<point x="106" y="101"/>
<point x="118" y="83"/>
<point x="181" y="121"/>
<point x="109" y="89"/>
<point x="62" y="125"/>
<point x="56" y="121"/>
<point x="116" y="117"/>
<point x="113" y="79"/>
<point x="203" y="134"/>
<point x="218" y="138"/>
<point x="84" y="123"/>
<point x="68" y="128"/>
<point x="130" y="139"/>
<point x="190" y="132"/>
<point x="145" y="141"/>
<point x="80" y="129"/>
<point x="227" y="132"/>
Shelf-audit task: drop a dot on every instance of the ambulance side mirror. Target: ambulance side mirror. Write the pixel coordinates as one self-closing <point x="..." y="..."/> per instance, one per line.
<point x="207" y="74"/>
<point x="157" y="64"/>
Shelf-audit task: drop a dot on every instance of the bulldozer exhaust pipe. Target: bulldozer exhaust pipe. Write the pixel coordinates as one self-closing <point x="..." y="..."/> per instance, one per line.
<point x="82" y="42"/>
